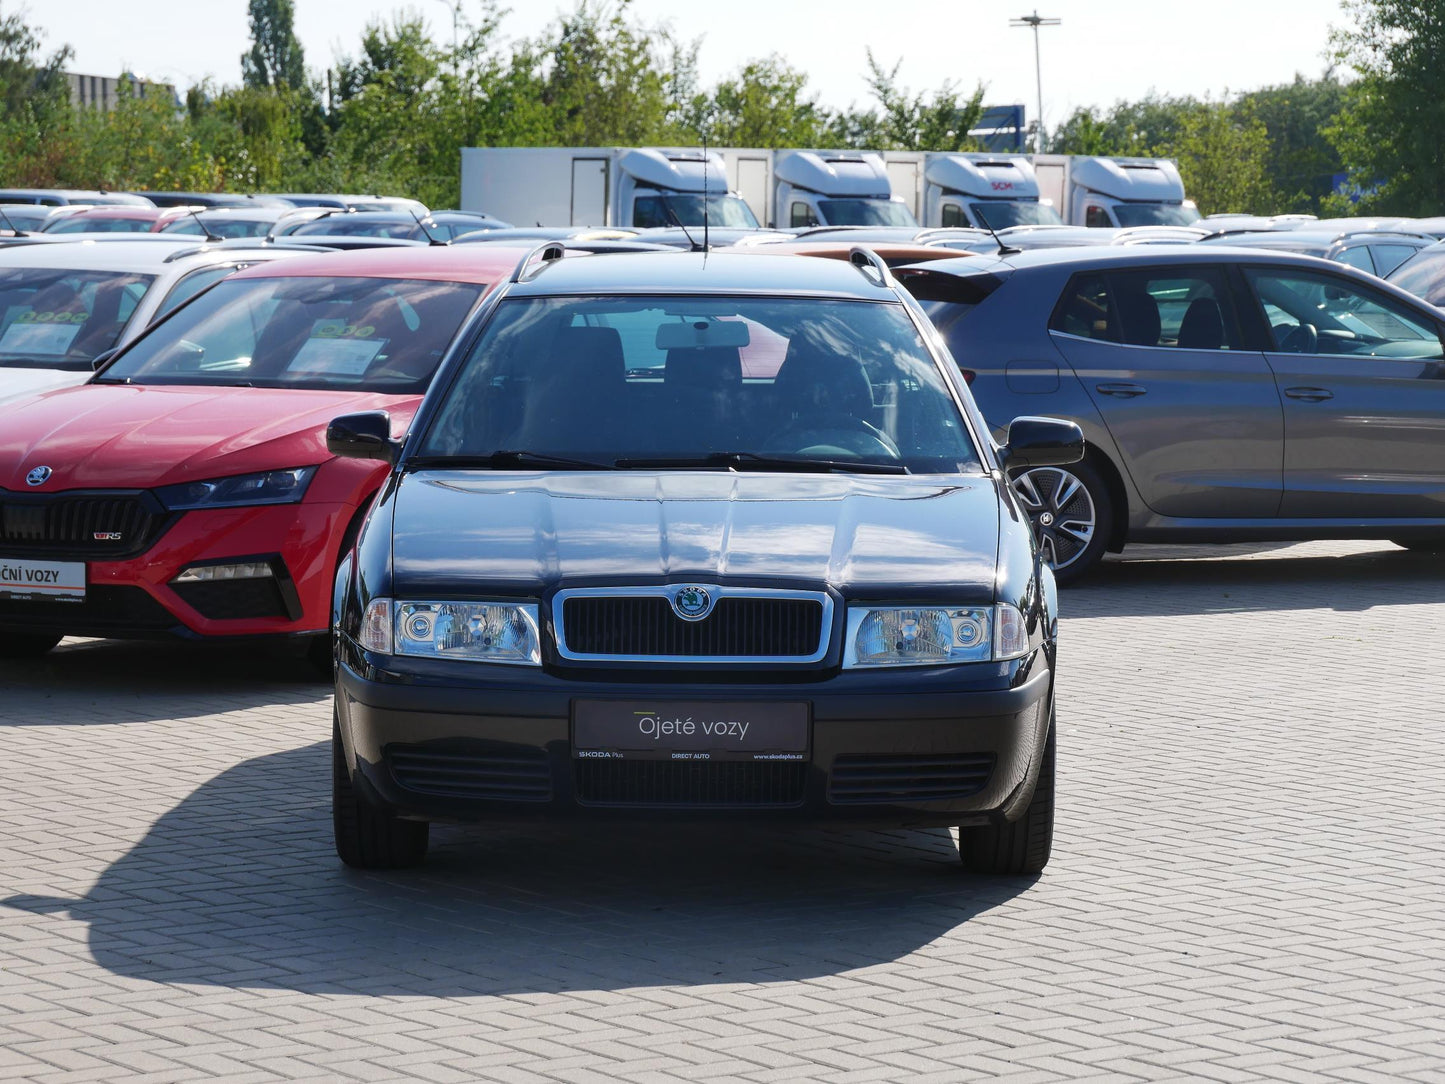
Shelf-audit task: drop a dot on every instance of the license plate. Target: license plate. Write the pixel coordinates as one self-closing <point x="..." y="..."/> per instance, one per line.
<point x="665" y="729"/>
<point x="60" y="580"/>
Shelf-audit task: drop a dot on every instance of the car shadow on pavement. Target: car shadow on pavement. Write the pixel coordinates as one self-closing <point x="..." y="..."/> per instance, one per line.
<point x="238" y="886"/>
<point x="1167" y="580"/>
<point x="90" y="682"/>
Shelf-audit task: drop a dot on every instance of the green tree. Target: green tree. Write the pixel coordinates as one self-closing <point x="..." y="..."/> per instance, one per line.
<point x="764" y="105"/>
<point x="936" y="121"/>
<point x="1391" y="131"/>
<point x="1222" y="159"/>
<point x="275" y="59"/>
<point x="1302" y="162"/>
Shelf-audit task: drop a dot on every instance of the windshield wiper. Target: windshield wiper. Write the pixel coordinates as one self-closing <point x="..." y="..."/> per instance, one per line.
<point x="753" y="461"/>
<point x="505" y="460"/>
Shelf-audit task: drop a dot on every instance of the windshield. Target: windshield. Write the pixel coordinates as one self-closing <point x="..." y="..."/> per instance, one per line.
<point x="1155" y="214"/>
<point x="55" y="319"/>
<point x="362" y="334"/>
<point x="724" y="212"/>
<point x="865" y="212"/>
<point x="222" y="226"/>
<point x="1001" y="214"/>
<point x="671" y="381"/>
<point x="84" y="224"/>
<point x="1423" y="275"/>
<point x="359" y="225"/>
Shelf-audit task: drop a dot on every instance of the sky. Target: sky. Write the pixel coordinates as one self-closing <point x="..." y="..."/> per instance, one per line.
<point x="1103" y="51"/>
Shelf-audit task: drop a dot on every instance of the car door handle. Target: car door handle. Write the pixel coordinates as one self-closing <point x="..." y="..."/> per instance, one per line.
<point x="1310" y="395"/>
<point x="1123" y="391"/>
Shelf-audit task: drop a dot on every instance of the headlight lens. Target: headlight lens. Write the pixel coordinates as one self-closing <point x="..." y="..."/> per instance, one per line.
<point x="268" y="487"/>
<point x="479" y="631"/>
<point x="933" y="636"/>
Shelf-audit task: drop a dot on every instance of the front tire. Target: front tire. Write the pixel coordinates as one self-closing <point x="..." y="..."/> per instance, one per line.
<point x="366" y="837"/>
<point x="1021" y="847"/>
<point x="26" y="645"/>
<point x="1071" y="511"/>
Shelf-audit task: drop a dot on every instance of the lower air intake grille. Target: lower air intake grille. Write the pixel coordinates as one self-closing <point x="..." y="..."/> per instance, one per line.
<point x="908" y="778"/>
<point x="718" y="784"/>
<point x="233" y="600"/>
<point x="515" y="774"/>
<point x="102" y="611"/>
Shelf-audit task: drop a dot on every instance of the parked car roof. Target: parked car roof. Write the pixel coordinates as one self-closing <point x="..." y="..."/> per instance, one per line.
<point x="717" y="271"/>
<point x="62" y="196"/>
<point x="475" y="263"/>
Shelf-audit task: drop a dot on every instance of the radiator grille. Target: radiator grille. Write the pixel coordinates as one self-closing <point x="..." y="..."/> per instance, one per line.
<point x="882" y="779"/>
<point x="738" y="627"/>
<point x="66" y="525"/>
<point x="717" y="784"/>
<point x="514" y="774"/>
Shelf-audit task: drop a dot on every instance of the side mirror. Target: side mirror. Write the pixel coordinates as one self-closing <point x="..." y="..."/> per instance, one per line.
<point x="363" y="436"/>
<point x="1041" y="442"/>
<point x="100" y="361"/>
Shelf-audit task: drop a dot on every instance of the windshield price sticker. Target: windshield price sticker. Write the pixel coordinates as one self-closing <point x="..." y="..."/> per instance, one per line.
<point x="347" y="357"/>
<point x="44" y="338"/>
<point x="646" y="730"/>
<point x="56" y="580"/>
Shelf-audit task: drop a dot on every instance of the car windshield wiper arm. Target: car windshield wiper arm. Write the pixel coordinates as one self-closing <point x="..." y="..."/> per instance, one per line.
<point x="754" y="461"/>
<point x="506" y="460"/>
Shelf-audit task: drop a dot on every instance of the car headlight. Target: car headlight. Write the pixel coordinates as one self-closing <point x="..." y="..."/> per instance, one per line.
<point x="267" y="487"/>
<point x="933" y="636"/>
<point x="476" y="631"/>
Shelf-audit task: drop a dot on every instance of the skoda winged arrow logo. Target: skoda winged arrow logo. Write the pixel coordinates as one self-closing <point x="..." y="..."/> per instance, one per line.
<point x="38" y="476"/>
<point x="692" y="603"/>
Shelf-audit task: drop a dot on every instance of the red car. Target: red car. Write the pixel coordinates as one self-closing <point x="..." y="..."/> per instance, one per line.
<point x="187" y="490"/>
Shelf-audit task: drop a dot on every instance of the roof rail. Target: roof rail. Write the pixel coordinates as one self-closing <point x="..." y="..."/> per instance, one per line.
<point x="255" y="245"/>
<point x="866" y="260"/>
<point x="545" y="253"/>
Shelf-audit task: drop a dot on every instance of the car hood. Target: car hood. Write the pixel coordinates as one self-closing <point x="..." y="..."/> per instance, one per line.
<point x="126" y="436"/>
<point x="865" y="535"/>
<point x="17" y="382"/>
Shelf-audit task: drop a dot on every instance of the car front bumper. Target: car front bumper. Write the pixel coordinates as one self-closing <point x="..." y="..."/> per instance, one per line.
<point x="138" y="597"/>
<point x="886" y="748"/>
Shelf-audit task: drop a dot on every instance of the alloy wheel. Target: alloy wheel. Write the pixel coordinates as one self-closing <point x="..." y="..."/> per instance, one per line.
<point x="1061" y="510"/>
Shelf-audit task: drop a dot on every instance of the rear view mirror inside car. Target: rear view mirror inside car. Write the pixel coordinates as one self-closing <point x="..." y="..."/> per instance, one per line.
<point x="699" y="333"/>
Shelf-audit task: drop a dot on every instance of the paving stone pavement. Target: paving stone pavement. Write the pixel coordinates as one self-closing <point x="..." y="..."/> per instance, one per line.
<point x="1248" y="879"/>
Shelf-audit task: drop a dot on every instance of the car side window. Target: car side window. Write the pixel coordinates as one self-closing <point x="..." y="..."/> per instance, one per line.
<point x="191" y="285"/>
<point x="1180" y="308"/>
<point x="1085" y="310"/>
<point x="1359" y="257"/>
<point x="648" y="213"/>
<point x="1096" y="216"/>
<point x="953" y="215"/>
<point x="802" y="215"/>
<point x="1389" y="257"/>
<point x="1312" y="313"/>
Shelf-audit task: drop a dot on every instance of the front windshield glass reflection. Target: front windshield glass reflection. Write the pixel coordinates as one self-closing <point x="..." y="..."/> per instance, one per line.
<point x="366" y="334"/>
<point x="57" y="319"/>
<point x="682" y="379"/>
<point x="865" y="212"/>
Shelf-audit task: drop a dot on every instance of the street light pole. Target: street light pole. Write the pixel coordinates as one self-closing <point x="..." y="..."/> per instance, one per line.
<point x="1035" y="22"/>
<point x="456" y="9"/>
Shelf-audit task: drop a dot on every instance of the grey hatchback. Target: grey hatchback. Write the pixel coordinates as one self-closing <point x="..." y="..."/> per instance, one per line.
<point x="1225" y="394"/>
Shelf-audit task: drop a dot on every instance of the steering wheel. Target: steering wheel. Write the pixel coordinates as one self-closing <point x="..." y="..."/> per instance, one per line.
<point x="852" y="436"/>
<point x="1304" y="339"/>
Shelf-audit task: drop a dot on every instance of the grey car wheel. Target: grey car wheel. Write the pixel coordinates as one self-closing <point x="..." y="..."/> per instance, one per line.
<point x="1068" y="508"/>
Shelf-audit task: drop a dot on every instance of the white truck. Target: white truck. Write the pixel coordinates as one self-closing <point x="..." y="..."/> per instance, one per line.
<point x="989" y="191"/>
<point x="638" y="187"/>
<point x="835" y="188"/>
<point x="1114" y="192"/>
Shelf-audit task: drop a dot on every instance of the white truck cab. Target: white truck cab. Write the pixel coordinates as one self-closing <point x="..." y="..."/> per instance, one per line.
<point x="1115" y="192"/>
<point x="835" y="188"/>
<point x="631" y="187"/>
<point x="988" y="191"/>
